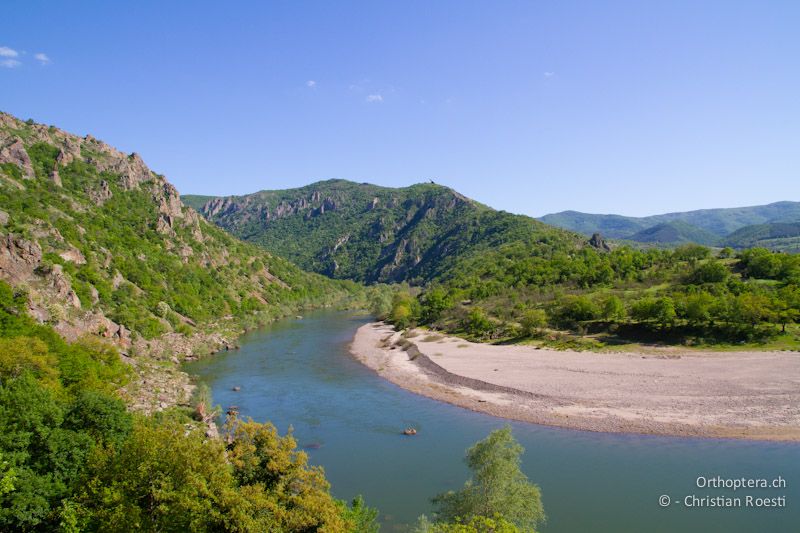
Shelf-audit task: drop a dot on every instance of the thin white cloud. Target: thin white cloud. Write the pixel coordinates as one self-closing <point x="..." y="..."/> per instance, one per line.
<point x="9" y="63"/>
<point x="548" y="75"/>
<point x="374" y="98"/>
<point x="311" y="84"/>
<point x="41" y="58"/>
<point x="5" y="51"/>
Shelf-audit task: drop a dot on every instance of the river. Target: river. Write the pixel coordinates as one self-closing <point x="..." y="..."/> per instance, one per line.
<point x="299" y="373"/>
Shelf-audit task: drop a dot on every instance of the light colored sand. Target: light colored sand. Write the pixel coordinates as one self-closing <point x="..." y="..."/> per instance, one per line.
<point x="753" y="395"/>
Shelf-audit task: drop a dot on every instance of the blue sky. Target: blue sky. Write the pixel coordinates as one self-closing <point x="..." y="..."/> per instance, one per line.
<point x="533" y="107"/>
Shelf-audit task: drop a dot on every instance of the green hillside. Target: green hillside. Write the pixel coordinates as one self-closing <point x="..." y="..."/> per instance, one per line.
<point x="719" y="222"/>
<point x="368" y="233"/>
<point x="780" y="236"/>
<point x="104" y="245"/>
<point x="106" y="281"/>
<point x="676" y="232"/>
<point x="612" y="226"/>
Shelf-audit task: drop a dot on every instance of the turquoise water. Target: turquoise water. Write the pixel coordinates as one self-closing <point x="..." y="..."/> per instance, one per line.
<point x="299" y="373"/>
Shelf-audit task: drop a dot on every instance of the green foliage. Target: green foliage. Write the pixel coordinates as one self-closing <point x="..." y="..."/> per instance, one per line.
<point x="659" y="310"/>
<point x="477" y="323"/>
<point x="74" y="459"/>
<point x="709" y="272"/>
<point x="574" y="309"/>
<point x="613" y="309"/>
<point x="360" y="517"/>
<point x="405" y="310"/>
<point x="478" y="524"/>
<point x="498" y="488"/>
<point x="533" y="321"/>
<point x="7" y="477"/>
<point x="369" y="233"/>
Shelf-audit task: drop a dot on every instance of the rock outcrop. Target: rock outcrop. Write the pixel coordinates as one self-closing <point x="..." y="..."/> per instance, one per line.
<point x="597" y="241"/>
<point x="18" y="258"/>
<point x="13" y="151"/>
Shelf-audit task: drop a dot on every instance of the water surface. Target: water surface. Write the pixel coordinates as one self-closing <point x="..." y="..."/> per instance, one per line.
<point x="298" y="373"/>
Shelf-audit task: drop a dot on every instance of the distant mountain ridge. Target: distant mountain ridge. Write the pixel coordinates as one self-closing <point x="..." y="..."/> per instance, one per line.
<point x="369" y="233"/>
<point x="705" y="226"/>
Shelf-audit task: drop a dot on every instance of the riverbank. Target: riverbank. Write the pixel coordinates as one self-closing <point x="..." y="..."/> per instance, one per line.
<point x="748" y="395"/>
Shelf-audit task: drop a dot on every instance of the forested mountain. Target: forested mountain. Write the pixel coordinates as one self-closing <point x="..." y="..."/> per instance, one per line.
<point x="781" y="236"/>
<point x="675" y="232"/>
<point x="717" y="222"/>
<point x="369" y="233"/>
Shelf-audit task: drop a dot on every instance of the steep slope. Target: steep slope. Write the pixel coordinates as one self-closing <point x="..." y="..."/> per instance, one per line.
<point x="720" y="222"/>
<point x="369" y="233"/>
<point x="676" y="232"/>
<point x="779" y="236"/>
<point x="103" y="245"/>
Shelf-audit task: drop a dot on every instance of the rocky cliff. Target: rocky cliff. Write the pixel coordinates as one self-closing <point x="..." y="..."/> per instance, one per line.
<point x="102" y="245"/>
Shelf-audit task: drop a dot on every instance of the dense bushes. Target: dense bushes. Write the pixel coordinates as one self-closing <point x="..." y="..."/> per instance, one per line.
<point x="73" y="458"/>
<point x="680" y="293"/>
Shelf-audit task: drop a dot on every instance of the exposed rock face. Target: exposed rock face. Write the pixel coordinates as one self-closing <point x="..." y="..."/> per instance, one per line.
<point x="73" y="255"/>
<point x="164" y="225"/>
<point x="597" y="241"/>
<point x="3" y="218"/>
<point x="13" y="151"/>
<point x="62" y="286"/>
<point x="55" y="177"/>
<point x="101" y="194"/>
<point x="169" y="201"/>
<point x="18" y="258"/>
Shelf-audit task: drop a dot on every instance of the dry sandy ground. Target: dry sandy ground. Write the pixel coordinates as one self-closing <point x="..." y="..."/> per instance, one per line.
<point x="752" y="395"/>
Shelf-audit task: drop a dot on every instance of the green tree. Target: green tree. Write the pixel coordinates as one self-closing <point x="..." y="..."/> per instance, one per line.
<point x="573" y="309"/>
<point x="750" y="309"/>
<point x="725" y="253"/>
<point x="613" y="309"/>
<point x="7" y="477"/>
<point x="659" y="310"/>
<point x="709" y="272"/>
<point x="405" y="310"/>
<point x="533" y="321"/>
<point x="360" y="518"/>
<point x="477" y="323"/>
<point x="478" y="524"/>
<point x="497" y="487"/>
<point x="696" y="308"/>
